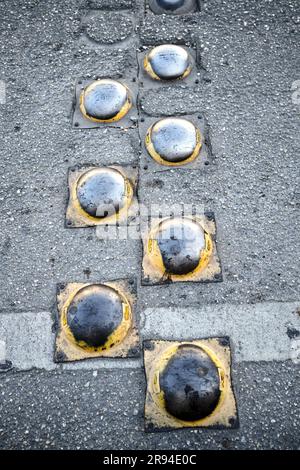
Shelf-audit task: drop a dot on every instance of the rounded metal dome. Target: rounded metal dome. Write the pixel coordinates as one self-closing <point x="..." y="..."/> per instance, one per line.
<point x="181" y="242"/>
<point x="101" y="192"/>
<point x="94" y="314"/>
<point x="172" y="7"/>
<point x="168" y="62"/>
<point x="170" y="4"/>
<point x="174" y="140"/>
<point x="191" y="384"/>
<point x="105" y="100"/>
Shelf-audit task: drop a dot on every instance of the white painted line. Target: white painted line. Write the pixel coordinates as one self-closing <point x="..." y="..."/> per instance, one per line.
<point x="121" y="363"/>
<point x="257" y="333"/>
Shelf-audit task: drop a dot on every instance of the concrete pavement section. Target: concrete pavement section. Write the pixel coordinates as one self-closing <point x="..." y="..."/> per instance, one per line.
<point x="248" y="91"/>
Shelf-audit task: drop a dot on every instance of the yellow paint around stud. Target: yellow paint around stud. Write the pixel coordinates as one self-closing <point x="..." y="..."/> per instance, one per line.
<point x="158" y="395"/>
<point x="123" y="342"/>
<point x="79" y="212"/>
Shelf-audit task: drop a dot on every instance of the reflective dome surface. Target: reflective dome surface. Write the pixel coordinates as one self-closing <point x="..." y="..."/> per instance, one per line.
<point x="101" y="192"/>
<point x="169" y="61"/>
<point x="191" y="384"/>
<point x="94" y="313"/>
<point x="104" y="99"/>
<point x="180" y="241"/>
<point x="174" y="139"/>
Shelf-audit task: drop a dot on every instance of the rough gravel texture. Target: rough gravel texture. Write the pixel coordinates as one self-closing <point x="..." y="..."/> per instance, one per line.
<point x="78" y="410"/>
<point x="108" y="27"/>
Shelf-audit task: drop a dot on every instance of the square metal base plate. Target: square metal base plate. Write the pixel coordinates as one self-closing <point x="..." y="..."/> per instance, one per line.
<point x="156" y="416"/>
<point x="66" y="350"/>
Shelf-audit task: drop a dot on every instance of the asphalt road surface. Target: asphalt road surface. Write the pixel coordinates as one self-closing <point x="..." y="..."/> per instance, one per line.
<point x="248" y="90"/>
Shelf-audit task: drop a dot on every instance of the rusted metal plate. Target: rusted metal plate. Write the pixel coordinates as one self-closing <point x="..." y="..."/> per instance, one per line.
<point x="102" y="195"/>
<point x="189" y="385"/>
<point x="104" y="102"/>
<point x="180" y="249"/>
<point x="96" y="320"/>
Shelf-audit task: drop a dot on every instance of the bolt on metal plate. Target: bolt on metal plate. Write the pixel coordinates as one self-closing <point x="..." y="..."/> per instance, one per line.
<point x="168" y="65"/>
<point x="173" y="7"/>
<point x="189" y="385"/>
<point x="102" y="196"/>
<point x="104" y="102"/>
<point x="180" y="249"/>
<point x="96" y="320"/>
<point x="174" y="142"/>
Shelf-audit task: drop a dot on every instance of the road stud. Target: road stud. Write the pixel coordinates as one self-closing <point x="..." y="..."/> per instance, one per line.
<point x="168" y="62"/>
<point x="173" y="141"/>
<point x="189" y="385"/>
<point x="173" y="7"/>
<point x="105" y="100"/>
<point x="96" y="320"/>
<point x="101" y="196"/>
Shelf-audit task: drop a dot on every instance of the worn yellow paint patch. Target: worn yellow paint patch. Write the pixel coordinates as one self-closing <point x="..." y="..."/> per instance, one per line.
<point x="157" y="357"/>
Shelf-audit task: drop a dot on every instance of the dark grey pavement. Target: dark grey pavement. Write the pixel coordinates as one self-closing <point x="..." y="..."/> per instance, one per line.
<point x="249" y="63"/>
<point x="76" y="410"/>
